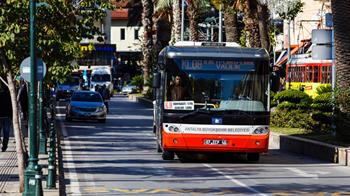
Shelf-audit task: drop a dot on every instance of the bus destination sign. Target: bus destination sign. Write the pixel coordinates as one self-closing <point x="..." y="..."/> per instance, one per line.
<point x="216" y="65"/>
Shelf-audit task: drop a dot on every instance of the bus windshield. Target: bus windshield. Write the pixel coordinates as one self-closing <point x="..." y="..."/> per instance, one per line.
<point x="101" y="78"/>
<point x="245" y="89"/>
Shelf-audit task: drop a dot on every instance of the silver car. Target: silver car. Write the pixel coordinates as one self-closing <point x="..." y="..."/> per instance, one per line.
<point x="129" y="89"/>
<point x="86" y="105"/>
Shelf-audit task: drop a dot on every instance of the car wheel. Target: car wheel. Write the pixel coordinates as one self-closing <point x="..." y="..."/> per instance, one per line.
<point x="102" y="120"/>
<point x="68" y="119"/>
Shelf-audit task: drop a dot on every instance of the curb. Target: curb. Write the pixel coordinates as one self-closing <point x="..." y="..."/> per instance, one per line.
<point x="311" y="148"/>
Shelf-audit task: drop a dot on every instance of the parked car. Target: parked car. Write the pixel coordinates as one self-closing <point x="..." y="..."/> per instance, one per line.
<point x="129" y="89"/>
<point x="86" y="105"/>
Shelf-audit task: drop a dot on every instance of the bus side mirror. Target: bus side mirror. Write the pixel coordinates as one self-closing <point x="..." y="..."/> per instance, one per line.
<point x="156" y="80"/>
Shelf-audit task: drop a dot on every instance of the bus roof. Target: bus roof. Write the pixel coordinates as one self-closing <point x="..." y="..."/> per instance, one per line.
<point x="213" y="52"/>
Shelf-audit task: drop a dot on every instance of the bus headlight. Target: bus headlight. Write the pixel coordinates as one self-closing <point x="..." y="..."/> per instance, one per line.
<point x="174" y="129"/>
<point x="261" y="130"/>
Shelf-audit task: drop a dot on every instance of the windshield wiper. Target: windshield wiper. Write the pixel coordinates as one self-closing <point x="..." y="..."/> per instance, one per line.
<point x="197" y="111"/>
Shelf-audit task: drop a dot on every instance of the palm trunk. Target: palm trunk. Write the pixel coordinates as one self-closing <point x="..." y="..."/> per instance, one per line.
<point x="263" y="26"/>
<point x="147" y="40"/>
<point x="341" y="13"/>
<point x="193" y="16"/>
<point x="15" y="121"/>
<point x="251" y="23"/>
<point x="176" y="27"/>
<point x="231" y="30"/>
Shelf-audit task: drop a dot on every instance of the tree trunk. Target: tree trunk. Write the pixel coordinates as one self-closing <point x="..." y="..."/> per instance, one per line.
<point x="193" y="15"/>
<point x="251" y="23"/>
<point x="147" y="13"/>
<point x="231" y="28"/>
<point x="263" y="26"/>
<point x="341" y="17"/>
<point x="15" y="121"/>
<point x="176" y="27"/>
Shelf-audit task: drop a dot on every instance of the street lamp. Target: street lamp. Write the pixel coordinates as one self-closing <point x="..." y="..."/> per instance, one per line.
<point x="32" y="183"/>
<point x="182" y="19"/>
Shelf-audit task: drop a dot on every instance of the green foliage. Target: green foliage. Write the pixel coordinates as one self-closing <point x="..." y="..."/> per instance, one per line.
<point x="137" y="81"/>
<point x="59" y="29"/>
<point x="323" y="102"/>
<point x="243" y="38"/>
<point x="291" y="11"/>
<point x="293" y="119"/>
<point x="292" y="99"/>
<point x="327" y="88"/>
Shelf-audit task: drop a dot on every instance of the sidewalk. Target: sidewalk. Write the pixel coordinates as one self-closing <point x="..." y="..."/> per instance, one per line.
<point x="9" y="173"/>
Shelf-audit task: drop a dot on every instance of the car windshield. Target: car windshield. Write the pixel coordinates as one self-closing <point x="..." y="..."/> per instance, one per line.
<point x="74" y="81"/>
<point x="87" y="97"/>
<point x="101" y="78"/>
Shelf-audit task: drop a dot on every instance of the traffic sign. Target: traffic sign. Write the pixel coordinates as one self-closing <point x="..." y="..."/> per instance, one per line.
<point x="25" y="69"/>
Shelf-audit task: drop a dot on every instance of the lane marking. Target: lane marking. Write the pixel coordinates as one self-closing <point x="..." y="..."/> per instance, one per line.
<point x="239" y="183"/>
<point x="130" y="190"/>
<point x="74" y="186"/>
<point x="302" y="173"/>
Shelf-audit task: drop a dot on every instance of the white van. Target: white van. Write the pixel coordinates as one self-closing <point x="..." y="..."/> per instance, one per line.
<point x="101" y="76"/>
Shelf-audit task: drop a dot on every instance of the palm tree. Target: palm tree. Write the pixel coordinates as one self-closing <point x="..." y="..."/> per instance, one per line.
<point x="341" y="12"/>
<point x="171" y="9"/>
<point x="263" y="17"/>
<point x="147" y="46"/>
<point x="250" y="20"/>
<point x="231" y="23"/>
<point x="194" y="10"/>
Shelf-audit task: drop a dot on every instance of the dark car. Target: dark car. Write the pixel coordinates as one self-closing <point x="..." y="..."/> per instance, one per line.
<point x="66" y="89"/>
<point x="86" y="105"/>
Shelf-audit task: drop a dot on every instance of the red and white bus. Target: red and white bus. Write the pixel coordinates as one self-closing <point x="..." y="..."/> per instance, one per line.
<point x="224" y="103"/>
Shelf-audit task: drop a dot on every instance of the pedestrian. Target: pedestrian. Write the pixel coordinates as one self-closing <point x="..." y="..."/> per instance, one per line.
<point x="106" y="96"/>
<point x="5" y="115"/>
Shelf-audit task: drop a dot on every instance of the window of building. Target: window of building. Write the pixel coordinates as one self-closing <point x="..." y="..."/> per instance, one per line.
<point x="122" y="34"/>
<point x="136" y="34"/>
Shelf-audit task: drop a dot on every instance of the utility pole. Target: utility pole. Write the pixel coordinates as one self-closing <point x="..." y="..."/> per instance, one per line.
<point x="32" y="182"/>
<point x="182" y="19"/>
<point x="289" y="57"/>
<point x="220" y="22"/>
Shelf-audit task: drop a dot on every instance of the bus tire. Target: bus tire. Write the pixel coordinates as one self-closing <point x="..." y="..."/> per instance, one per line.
<point x="167" y="155"/>
<point x="253" y="157"/>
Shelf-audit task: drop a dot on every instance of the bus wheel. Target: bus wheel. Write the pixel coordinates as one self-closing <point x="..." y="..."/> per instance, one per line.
<point x="167" y="155"/>
<point x="253" y="157"/>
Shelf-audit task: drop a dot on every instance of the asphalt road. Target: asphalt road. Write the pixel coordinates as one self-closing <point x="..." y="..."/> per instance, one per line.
<point x="120" y="158"/>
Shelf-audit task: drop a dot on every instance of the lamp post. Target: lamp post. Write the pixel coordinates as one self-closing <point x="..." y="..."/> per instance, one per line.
<point x="182" y="19"/>
<point x="32" y="182"/>
<point x="220" y="23"/>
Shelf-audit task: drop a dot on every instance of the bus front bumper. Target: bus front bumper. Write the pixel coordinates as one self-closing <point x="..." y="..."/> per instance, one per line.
<point x="215" y="143"/>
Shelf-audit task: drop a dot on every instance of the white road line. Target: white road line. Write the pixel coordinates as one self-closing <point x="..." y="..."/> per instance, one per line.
<point x="74" y="187"/>
<point x="302" y="173"/>
<point x="239" y="183"/>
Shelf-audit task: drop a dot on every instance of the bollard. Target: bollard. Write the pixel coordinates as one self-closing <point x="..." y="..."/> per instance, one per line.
<point x="51" y="177"/>
<point x="38" y="181"/>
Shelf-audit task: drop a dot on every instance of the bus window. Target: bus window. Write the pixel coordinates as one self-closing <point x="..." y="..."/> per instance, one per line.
<point x="308" y="72"/>
<point x="316" y="72"/>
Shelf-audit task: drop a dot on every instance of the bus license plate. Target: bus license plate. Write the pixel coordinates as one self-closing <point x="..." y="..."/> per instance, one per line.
<point x="215" y="142"/>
